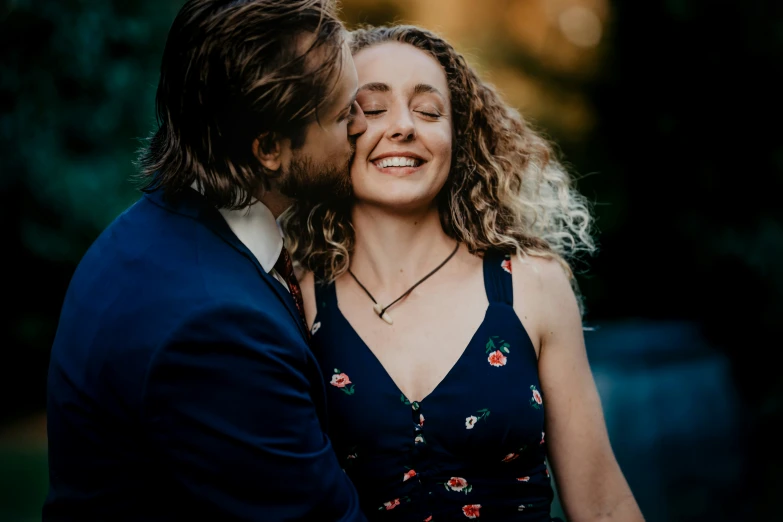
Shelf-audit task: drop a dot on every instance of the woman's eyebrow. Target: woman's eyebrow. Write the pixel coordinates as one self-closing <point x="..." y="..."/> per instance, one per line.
<point x="425" y="88"/>
<point x="375" y="87"/>
<point x="420" y="88"/>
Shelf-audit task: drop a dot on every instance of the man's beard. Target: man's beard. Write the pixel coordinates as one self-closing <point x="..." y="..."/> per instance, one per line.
<point x="309" y="182"/>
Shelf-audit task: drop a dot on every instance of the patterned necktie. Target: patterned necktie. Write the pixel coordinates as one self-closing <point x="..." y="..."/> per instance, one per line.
<point x="285" y="268"/>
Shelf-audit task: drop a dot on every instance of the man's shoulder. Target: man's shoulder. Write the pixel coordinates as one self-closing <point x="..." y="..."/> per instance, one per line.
<point x="149" y="260"/>
<point x="148" y="238"/>
<point x="155" y="269"/>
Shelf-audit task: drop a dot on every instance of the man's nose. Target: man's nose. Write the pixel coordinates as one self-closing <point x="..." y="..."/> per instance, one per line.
<point x="358" y="123"/>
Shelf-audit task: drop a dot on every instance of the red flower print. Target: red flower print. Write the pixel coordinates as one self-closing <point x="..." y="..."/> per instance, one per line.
<point x="506" y="264"/>
<point x="391" y="504"/>
<point x="510" y="457"/>
<point x="524" y="479"/>
<point x="471" y="510"/>
<point x="408" y="475"/>
<point x="547" y="471"/>
<point x="542" y="438"/>
<point x="421" y="419"/>
<point x="457" y="483"/>
<point x="536" y="401"/>
<point x="428" y="519"/>
<point x="497" y="358"/>
<point x="340" y="380"/>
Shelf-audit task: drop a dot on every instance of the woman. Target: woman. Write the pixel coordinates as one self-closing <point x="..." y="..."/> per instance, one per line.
<point x="445" y="400"/>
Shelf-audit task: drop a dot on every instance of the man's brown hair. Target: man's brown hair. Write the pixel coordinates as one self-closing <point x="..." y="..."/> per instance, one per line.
<point x="234" y="71"/>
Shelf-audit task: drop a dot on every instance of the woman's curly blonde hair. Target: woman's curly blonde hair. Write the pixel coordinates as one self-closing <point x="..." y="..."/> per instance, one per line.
<point x="506" y="190"/>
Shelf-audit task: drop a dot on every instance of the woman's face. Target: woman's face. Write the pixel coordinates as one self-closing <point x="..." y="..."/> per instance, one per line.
<point x="403" y="158"/>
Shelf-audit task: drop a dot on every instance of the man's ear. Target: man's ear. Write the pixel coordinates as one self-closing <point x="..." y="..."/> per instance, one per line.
<point x="266" y="147"/>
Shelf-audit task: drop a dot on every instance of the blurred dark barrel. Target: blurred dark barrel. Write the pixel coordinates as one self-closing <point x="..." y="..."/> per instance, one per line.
<point x="674" y="419"/>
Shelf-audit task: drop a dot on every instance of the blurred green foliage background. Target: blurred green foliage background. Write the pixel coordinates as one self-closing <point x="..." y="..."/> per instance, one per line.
<point x="667" y="111"/>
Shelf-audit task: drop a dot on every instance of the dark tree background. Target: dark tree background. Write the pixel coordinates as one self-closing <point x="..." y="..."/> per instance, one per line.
<point x="685" y="164"/>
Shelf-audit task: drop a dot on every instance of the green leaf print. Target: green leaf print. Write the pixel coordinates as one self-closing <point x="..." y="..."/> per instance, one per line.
<point x="473" y="419"/>
<point x="496" y="343"/>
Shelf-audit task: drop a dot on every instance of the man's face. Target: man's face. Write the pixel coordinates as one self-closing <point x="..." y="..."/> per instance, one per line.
<point x="320" y="166"/>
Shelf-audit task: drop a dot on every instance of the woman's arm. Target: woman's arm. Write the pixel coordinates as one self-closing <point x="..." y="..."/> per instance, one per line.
<point x="590" y="483"/>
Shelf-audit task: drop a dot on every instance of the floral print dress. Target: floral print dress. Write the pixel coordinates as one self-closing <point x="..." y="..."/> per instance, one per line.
<point x="474" y="448"/>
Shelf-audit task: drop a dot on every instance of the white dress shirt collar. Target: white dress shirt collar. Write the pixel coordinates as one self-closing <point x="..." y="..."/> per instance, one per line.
<point x="257" y="228"/>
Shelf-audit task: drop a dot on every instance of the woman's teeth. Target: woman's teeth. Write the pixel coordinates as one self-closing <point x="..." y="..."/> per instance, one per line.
<point x="397" y="161"/>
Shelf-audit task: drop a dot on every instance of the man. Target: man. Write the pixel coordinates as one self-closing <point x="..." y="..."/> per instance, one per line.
<point x="181" y="385"/>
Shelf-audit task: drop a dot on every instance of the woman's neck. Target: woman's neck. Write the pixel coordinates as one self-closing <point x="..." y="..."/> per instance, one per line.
<point x="394" y="251"/>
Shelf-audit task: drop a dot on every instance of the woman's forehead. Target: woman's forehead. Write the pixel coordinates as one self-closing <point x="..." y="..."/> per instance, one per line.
<point x="398" y="63"/>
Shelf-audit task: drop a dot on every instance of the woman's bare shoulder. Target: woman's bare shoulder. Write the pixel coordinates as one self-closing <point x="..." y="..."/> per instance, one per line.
<point x="542" y="292"/>
<point x="537" y="273"/>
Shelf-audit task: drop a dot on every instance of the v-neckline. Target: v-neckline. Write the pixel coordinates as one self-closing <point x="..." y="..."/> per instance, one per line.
<point x="386" y="373"/>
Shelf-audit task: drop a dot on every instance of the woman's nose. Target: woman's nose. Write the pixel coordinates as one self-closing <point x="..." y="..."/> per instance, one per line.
<point x="402" y="127"/>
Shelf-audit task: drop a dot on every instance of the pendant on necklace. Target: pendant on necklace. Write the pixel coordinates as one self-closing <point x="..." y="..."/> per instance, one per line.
<point x="383" y="315"/>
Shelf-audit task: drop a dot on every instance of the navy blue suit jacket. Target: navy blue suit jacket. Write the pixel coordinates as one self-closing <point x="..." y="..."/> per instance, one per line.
<point x="181" y="385"/>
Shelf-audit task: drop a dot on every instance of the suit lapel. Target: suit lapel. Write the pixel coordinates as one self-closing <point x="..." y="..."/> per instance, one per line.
<point x="191" y="203"/>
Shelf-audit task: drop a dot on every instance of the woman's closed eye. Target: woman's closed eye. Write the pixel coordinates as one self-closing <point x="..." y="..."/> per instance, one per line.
<point x="427" y="113"/>
<point x="430" y="113"/>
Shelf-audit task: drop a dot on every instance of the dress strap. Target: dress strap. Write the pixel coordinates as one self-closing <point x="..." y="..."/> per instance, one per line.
<point x="325" y="295"/>
<point x="497" y="277"/>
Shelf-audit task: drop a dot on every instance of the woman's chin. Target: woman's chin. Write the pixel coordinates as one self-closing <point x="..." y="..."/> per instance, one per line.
<point x="401" y="204"/>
